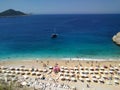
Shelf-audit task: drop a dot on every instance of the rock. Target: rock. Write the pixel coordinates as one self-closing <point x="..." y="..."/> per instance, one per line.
<point x="116" y="38"/>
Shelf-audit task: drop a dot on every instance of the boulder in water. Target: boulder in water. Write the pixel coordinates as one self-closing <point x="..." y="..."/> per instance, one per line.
<point x="116" y="38"/>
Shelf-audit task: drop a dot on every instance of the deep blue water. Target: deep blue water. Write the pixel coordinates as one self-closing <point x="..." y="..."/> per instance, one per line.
<point x="88" y="36"/>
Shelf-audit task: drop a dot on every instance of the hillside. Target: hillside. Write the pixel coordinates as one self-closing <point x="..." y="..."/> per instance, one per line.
<point x="11" y="12"/>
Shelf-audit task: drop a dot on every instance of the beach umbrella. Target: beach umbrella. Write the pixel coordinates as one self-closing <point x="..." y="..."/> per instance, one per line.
<point x="116" y="81"/>
<point x="101" y="80"/>
<point x="25" y="76"/>
<point x="81" y="68"/>
<point x="81" y="79"/>
<point x="71" y="74"/>
<point x="91" y="69"/>
<point x="118" y="72"/>
<point x="73" y="79"/>
<point x="66" y="74"/>
<point x="17" y="69"/>
<point x="67" y="71"/>
<point x="40" y="70"/>
<point x="65" y="67"/>
<point x="26" y="69"/>
<point x="62" y="78"/>
<point x="91" y="72"/>
<point x="17" y="72"/>
<point x="35" y="69"/>
<point x="88" y="80"/>
<point x="12" y="68"/>
<point x="96" y="72"/>
<point x="61" y="74"/>
<point x="94" y="79"/>
<point x="44" y="70"/>
<point x="62" y="67"/>
<point x="8" y="71"/>
<point x="85" y="72"/>
<point x="3" y="71"/>
<point x="72" y="71"/>
<point x="116" y="68"/>
<point x="27" y="72"/>
<point x="93" y="76"/>
<point x="61" y="70"/>
<point x="76" y="68"/>
<point x="33" y="73"/>
<point x="73" y="88"/>
<point x="97" y="76"/>
<point x="24" y="83"/>
<point x="38" y="73"/>
<point x="101" y="71"/>
<point x="67" y="78"/>
<point x="106" y="72"/>
<point x="111" y="69"/>
<point x="96" y="68"/>
<point x="86" y="68"/>
<point x="77" y="72"/>
<point x="56" y="69"/>
<point x="116" y="77"/>
<point x="3" y="67"/>
<point x="22" y="73"/>
<point x="111" y="72"/>
<point x="50" y="67"/>
<point x="13" y="72"/>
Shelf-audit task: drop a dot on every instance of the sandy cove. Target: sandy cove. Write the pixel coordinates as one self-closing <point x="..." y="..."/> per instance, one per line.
<point x="41" y="64"/>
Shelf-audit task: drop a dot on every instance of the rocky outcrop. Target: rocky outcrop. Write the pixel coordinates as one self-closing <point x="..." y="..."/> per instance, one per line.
<point x="11" y="12"/>
<point x="116" y="38"/>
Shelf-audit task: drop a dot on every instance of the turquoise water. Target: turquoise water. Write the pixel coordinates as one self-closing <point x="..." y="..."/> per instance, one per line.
<point x="84" y="36"/>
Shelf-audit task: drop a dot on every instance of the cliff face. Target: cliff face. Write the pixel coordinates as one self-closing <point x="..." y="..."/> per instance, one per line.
<point x="11" y="12"/>
<point x="116" y="38"/>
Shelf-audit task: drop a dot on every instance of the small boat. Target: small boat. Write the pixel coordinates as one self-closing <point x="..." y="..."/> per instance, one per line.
<point x="54" y="35"/>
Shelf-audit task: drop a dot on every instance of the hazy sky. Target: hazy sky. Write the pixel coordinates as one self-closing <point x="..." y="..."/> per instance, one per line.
<point x="62" y="6"/>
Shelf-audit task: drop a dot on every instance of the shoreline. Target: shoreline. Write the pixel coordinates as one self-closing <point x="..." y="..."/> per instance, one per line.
<point x="66" y="59"/>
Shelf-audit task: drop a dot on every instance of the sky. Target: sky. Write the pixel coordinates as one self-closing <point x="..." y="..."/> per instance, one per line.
<point x="62" y="6"/>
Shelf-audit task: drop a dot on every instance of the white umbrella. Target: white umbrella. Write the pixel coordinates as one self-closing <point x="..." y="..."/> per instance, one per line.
<point x="86" y="68"/>
<point x="62" y="67"/>
<point x="33" y="73"/>
<point x="106" y="72"/>
<point x="96" y="72"/>
<point x="66" y="74"/>
<point x="101" y="68"/>
<point x="81" y="79"/>
<point x="116" y="81"/>
<point x="50" y="67"/>
<point x="71" y="74"/>
<point x="72" y="71"/>
<point x="91" y="68"/>
<point x="62" y="78"/>
<point x="73" y="79"/>
<point x="88" y="80"/>
<point x="67" y="78"/>
<point x="65" y="67"/>
<point x="45" y="70"/>
<point x="27" y="72"/>
<point x="24" y="83"/>
<point x="25" y="77"/>
<point x="38" y="73"/>
<point x="116" y="77"/>
<point x="81" y="68"/>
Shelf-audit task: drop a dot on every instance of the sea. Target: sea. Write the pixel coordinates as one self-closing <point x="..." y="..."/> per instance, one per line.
<point x="79" y="36"/>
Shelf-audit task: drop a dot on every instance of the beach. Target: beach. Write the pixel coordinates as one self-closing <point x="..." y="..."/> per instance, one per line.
<point x="80" y="74"/>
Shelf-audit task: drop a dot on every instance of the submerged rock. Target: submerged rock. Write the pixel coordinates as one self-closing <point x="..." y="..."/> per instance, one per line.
<point x="116" y="38"/>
